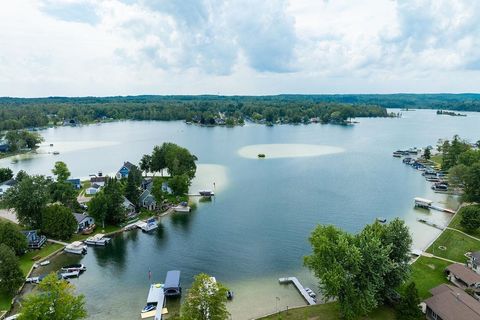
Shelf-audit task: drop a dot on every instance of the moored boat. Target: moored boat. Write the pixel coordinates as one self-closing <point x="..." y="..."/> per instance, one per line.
<point x="206" y="193"/>
<point x="151" y="224"/>
<point x="76" y="247"/>
<point x="74" y="267"/>
<point x="182" y="207"/>
<point x="98" y="240"/>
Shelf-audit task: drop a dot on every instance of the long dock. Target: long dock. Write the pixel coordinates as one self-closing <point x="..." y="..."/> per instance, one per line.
<point x="299" y="287"/>
<point x="155" y="296"/>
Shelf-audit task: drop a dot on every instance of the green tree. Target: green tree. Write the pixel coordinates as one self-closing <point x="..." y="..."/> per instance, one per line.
<point x="11" y="236"/>
<point x="114" y="198"/>
<point x="58" y="222"/>
<point x="61" y="171"/>
<point x="132" y="189"/>
<point x="145" y="163"/>
<point x="206" y="300"/>
<point x="427" y="154"/>
<point x="97" y="207"/>
<point x="361" y="270"/>
<point x="55" y="300"/>
<point x="157" y="189"/>
<point x="470" y="217"/>
<point x="179" y="184"/>
<point x="29" y="197"/>
<point x="11" y="277"/>
<point x="408" y="308"/>
<point x="5" y="174"/>
<point x="157" y="160"/>
<point x="63" y="192"/>
<point x="472" y="183"/>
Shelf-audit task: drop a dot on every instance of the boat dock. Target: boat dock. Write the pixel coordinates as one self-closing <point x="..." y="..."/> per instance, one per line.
<point x="427" y="204"/>
<point x="431" y="224"/>
<point x="155" y="296"/>
<point x="299" y="287"/>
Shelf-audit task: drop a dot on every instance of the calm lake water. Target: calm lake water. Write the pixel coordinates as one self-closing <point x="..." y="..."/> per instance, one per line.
<point x="256" y="229"/>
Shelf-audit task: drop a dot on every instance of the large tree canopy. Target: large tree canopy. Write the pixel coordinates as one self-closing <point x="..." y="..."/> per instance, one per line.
<point x="55" y="300"/>
<point x="206" y="300"/>
<point x="11" y="276"/>
<point x="29" y="197"/>
<point x="58" y="222"/>
<point x="11" y="236"/>
<point x="360" y="270"/>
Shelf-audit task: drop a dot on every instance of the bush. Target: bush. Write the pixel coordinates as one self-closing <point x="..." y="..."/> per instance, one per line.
<point x="470" y="219"/>
<point x="58" y="222"/>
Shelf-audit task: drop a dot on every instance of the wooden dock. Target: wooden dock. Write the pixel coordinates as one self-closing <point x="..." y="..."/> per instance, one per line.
<point x="299" y="287"/>
<point x="431" y="224"/>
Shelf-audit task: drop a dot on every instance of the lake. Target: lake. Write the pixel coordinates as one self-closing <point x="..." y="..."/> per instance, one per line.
<point x="256" y="229"/>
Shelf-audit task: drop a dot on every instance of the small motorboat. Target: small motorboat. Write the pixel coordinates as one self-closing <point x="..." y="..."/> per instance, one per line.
<point x="148" y="308"/>
<point x="182" y="207"/>
<point x="206" y="193"/>
<point x="150" y="225"/>
<point x="56" y="152"/>
<point x="44" y="263"/>
<point x="261" y="155"/>
<point x="381" y="219"/>
<point x="229" y="295"/>
<point x="76" y="247"/>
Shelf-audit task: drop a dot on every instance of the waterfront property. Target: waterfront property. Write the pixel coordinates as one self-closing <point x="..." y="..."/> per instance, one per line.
<point x="84" y="222"/>
<point x="124" y="170"/>
<point x="34" y="240"/>
<point x="147" y="200"/>
<point x="451" y="303"/>
<point x="76" y="183"/>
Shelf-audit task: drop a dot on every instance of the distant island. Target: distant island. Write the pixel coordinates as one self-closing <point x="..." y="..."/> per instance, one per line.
<point x="450" y="113"/>
<point x="212" y="110"/>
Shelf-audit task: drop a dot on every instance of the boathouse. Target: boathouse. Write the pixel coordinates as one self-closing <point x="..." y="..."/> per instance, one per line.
<point x="423" y="203"/>
<point x="172" y="283"/>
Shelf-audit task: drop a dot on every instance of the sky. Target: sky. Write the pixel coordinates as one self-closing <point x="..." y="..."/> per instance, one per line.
<point x="243" y="47"/>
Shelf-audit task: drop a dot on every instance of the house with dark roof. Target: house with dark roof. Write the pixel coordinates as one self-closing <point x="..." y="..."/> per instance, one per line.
<point x="451" y="303"/>
<point x="83" y="221"/>
<point x="147" y="200"/>
<point x="129" y="207"/>
<point x="463" y="277"/>
<point x="124" y="170"/>
<point x="34" y="240"/>
<point x="4" y="186"/>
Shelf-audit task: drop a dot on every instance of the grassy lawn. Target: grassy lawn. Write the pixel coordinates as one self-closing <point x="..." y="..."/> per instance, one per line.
<point x="26" y="261"/>
<point x="328" y="311"/>
<point x="5" y="300"/>
<point x="428" y="273"/>
<point x="437" y="159"/>
<point x="456" y="245"/>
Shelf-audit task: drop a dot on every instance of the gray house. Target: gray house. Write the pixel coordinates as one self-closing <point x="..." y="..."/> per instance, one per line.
<point x="463" y="277"/>
<point x="83" y="221"/>
<point x="129" y="207"/>
<point x="147" y="200"/>
<point x="34" y="240"/>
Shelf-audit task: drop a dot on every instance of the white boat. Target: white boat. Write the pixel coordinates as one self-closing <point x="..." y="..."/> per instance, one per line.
<point x="70" y="274"/>
<point x="182" y="207"/>
<point x="73" y="267"/>
<point x="76" y="247"/>
<point x="98" y="240"/>
<point x="150" y="225"/>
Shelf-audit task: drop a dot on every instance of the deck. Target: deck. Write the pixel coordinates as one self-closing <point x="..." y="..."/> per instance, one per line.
<point x="155" y="296"/>
<point x="299" y="287"/>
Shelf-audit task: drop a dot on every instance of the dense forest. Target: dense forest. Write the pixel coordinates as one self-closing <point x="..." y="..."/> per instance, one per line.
<point x="17" y="113"/>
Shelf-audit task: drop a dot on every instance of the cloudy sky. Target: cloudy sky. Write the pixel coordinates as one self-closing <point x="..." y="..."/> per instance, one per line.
<point x="123" y="47"/>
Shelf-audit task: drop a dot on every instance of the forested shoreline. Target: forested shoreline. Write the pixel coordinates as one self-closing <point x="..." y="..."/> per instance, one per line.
<point x="19" y="113"/>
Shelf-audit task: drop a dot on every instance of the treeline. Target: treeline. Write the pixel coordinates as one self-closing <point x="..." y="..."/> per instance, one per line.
<point x="18" y="113"/>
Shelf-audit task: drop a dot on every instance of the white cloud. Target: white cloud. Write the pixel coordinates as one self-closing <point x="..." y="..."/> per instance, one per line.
<point x="111" y="47"/>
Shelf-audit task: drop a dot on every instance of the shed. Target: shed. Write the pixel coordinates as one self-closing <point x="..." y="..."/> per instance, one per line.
<point x="172" y="283"/>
